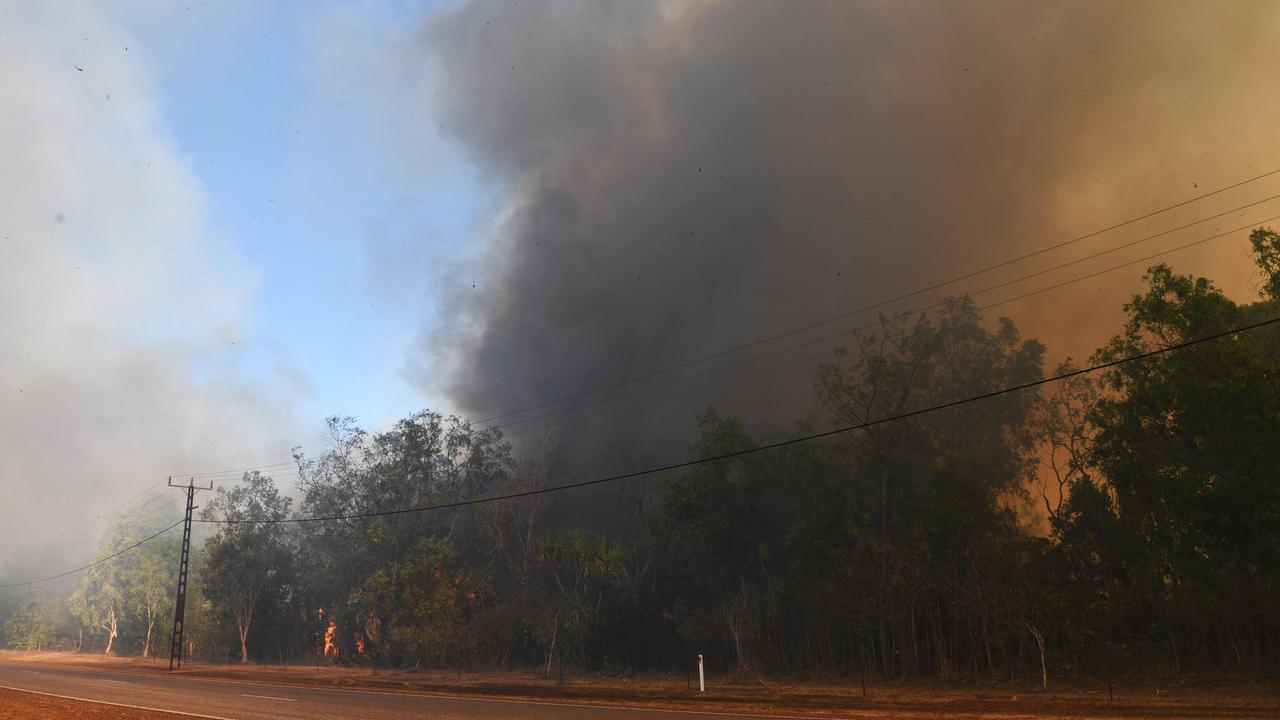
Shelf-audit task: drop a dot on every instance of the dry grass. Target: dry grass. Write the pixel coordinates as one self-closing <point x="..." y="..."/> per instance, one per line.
<point x="1181" y="698"/>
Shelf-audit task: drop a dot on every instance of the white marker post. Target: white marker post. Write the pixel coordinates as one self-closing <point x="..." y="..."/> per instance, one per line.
<point x="702" y="683"/>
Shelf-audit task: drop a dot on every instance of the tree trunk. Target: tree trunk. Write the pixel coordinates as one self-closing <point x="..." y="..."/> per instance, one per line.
<point x="1044" y="672"/>
<point x="151" y="623"/>
<point x="884" y="609"/>
<point x="244" y="619"/>
<point x="886" y="660"/>
<point x="555" y="631"/>
<point x="112" y="629"/>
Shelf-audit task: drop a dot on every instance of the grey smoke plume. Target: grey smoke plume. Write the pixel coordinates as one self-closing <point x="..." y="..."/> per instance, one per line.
<point x="683" y="177"/>
<point x="118" y="300"/>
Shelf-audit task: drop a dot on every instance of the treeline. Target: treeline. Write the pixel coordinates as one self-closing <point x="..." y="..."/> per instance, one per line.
<point x="1127" y="520"/>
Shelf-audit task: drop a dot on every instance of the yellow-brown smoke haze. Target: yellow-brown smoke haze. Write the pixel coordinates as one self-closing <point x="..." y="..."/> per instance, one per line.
<point x="685" y="177"/>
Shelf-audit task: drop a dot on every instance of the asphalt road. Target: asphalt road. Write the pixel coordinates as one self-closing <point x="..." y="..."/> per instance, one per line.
<point x="230" y="700"/>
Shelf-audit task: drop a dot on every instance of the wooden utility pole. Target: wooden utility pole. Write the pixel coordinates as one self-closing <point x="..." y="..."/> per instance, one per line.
<point x="180" y="605"/>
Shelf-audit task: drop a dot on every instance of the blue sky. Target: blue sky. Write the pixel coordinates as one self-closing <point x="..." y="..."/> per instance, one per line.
<point x="221" y="223"/>
<point x="314" y="196"/>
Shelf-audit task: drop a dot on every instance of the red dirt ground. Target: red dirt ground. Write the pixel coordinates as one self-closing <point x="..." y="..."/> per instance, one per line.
<point x="27" y="706"/>
<point x="1220" y="697"/>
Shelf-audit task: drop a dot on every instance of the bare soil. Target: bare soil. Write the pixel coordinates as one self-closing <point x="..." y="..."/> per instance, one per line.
<point x="1183" y="697"/>
<point x="16" y="705"/>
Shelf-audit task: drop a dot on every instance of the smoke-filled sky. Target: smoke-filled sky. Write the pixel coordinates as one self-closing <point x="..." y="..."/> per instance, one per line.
<point x="223" y="222"/>
<point x="686" y="177"/>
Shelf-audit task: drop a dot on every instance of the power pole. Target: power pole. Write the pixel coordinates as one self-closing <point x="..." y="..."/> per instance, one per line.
<point x="180" y="606"/>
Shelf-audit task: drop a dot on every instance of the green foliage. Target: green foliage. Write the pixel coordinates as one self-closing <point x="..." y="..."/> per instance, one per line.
<point x="587" y="569"/>
<point x="124" y="598"/>
<point x="910" y="548"/>
<point x="1266" y="248"/>
<point x="424" y="598"/>
<point x="1185" y="441"/>
<point x="35" y="623"/>
<point x="248" y="561"/>
<point x="422" y="460"/>
<point x="927" y="499"/>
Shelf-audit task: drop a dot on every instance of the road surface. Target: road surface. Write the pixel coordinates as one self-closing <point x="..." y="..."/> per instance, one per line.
<point x="231" y="700"/>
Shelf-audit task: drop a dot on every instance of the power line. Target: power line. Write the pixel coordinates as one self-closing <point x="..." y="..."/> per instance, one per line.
<point x="237" y="471"/>
<point x="268" y="468"/>
<point x="233" y="479"/>
<point x="102" y="517"/>
<point x="770" y="446"/>
<point x="783" y="365"/>
<point x="856" y="330"/>
<point x="990" y="288"/>
<point x="690" y="463"/>
<point x="935" y="286"/>
<point x="99" y="561"/>
<point x="108" y="515"/>
<point x="682" y="393"/>
<point x="100" y="520"/>
<point x="84" y="530"/>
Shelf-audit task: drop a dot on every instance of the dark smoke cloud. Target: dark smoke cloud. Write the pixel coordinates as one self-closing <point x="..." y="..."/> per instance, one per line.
<point x="683" y="177"/>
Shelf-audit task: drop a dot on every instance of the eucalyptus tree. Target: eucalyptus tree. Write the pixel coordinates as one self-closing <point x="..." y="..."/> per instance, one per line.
<point x="127" y="590"/>
<point x="249" y="559"/>
<point x="927" y="496"/>
<point x="426" y="459"/>
<point x="1185" y="443"/>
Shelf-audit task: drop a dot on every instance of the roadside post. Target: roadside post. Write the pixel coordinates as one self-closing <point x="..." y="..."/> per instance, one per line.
<point x="702" y="683"/>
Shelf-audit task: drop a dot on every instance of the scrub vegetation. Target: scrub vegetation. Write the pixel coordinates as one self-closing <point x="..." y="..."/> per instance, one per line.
<point x="1126" y="521"/>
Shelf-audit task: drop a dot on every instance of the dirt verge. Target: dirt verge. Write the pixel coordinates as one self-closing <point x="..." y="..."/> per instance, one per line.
<point x="16" y="705"/>
<point x="1220" y="697"/>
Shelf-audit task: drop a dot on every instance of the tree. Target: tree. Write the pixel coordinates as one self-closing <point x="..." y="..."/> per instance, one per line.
<point x="34" y="624"/>
<point x="249" y="557"/>
<point x="1062" y="424"/>
<point x="424" y="459"/>
<point x="425" y="598"/>
<point x="151" y="587"/>
<point x="1266" y="249"/>
<point x="585" y="568"/>
<point x="712" y="535"/>
<point x="133" y="582"/>
<point x="126" y="597"/>
<point x="903" y="546"/>
<point x="100" y="602"/>
<point x="1186" y="443"/>
<point x="926" y="497"/>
